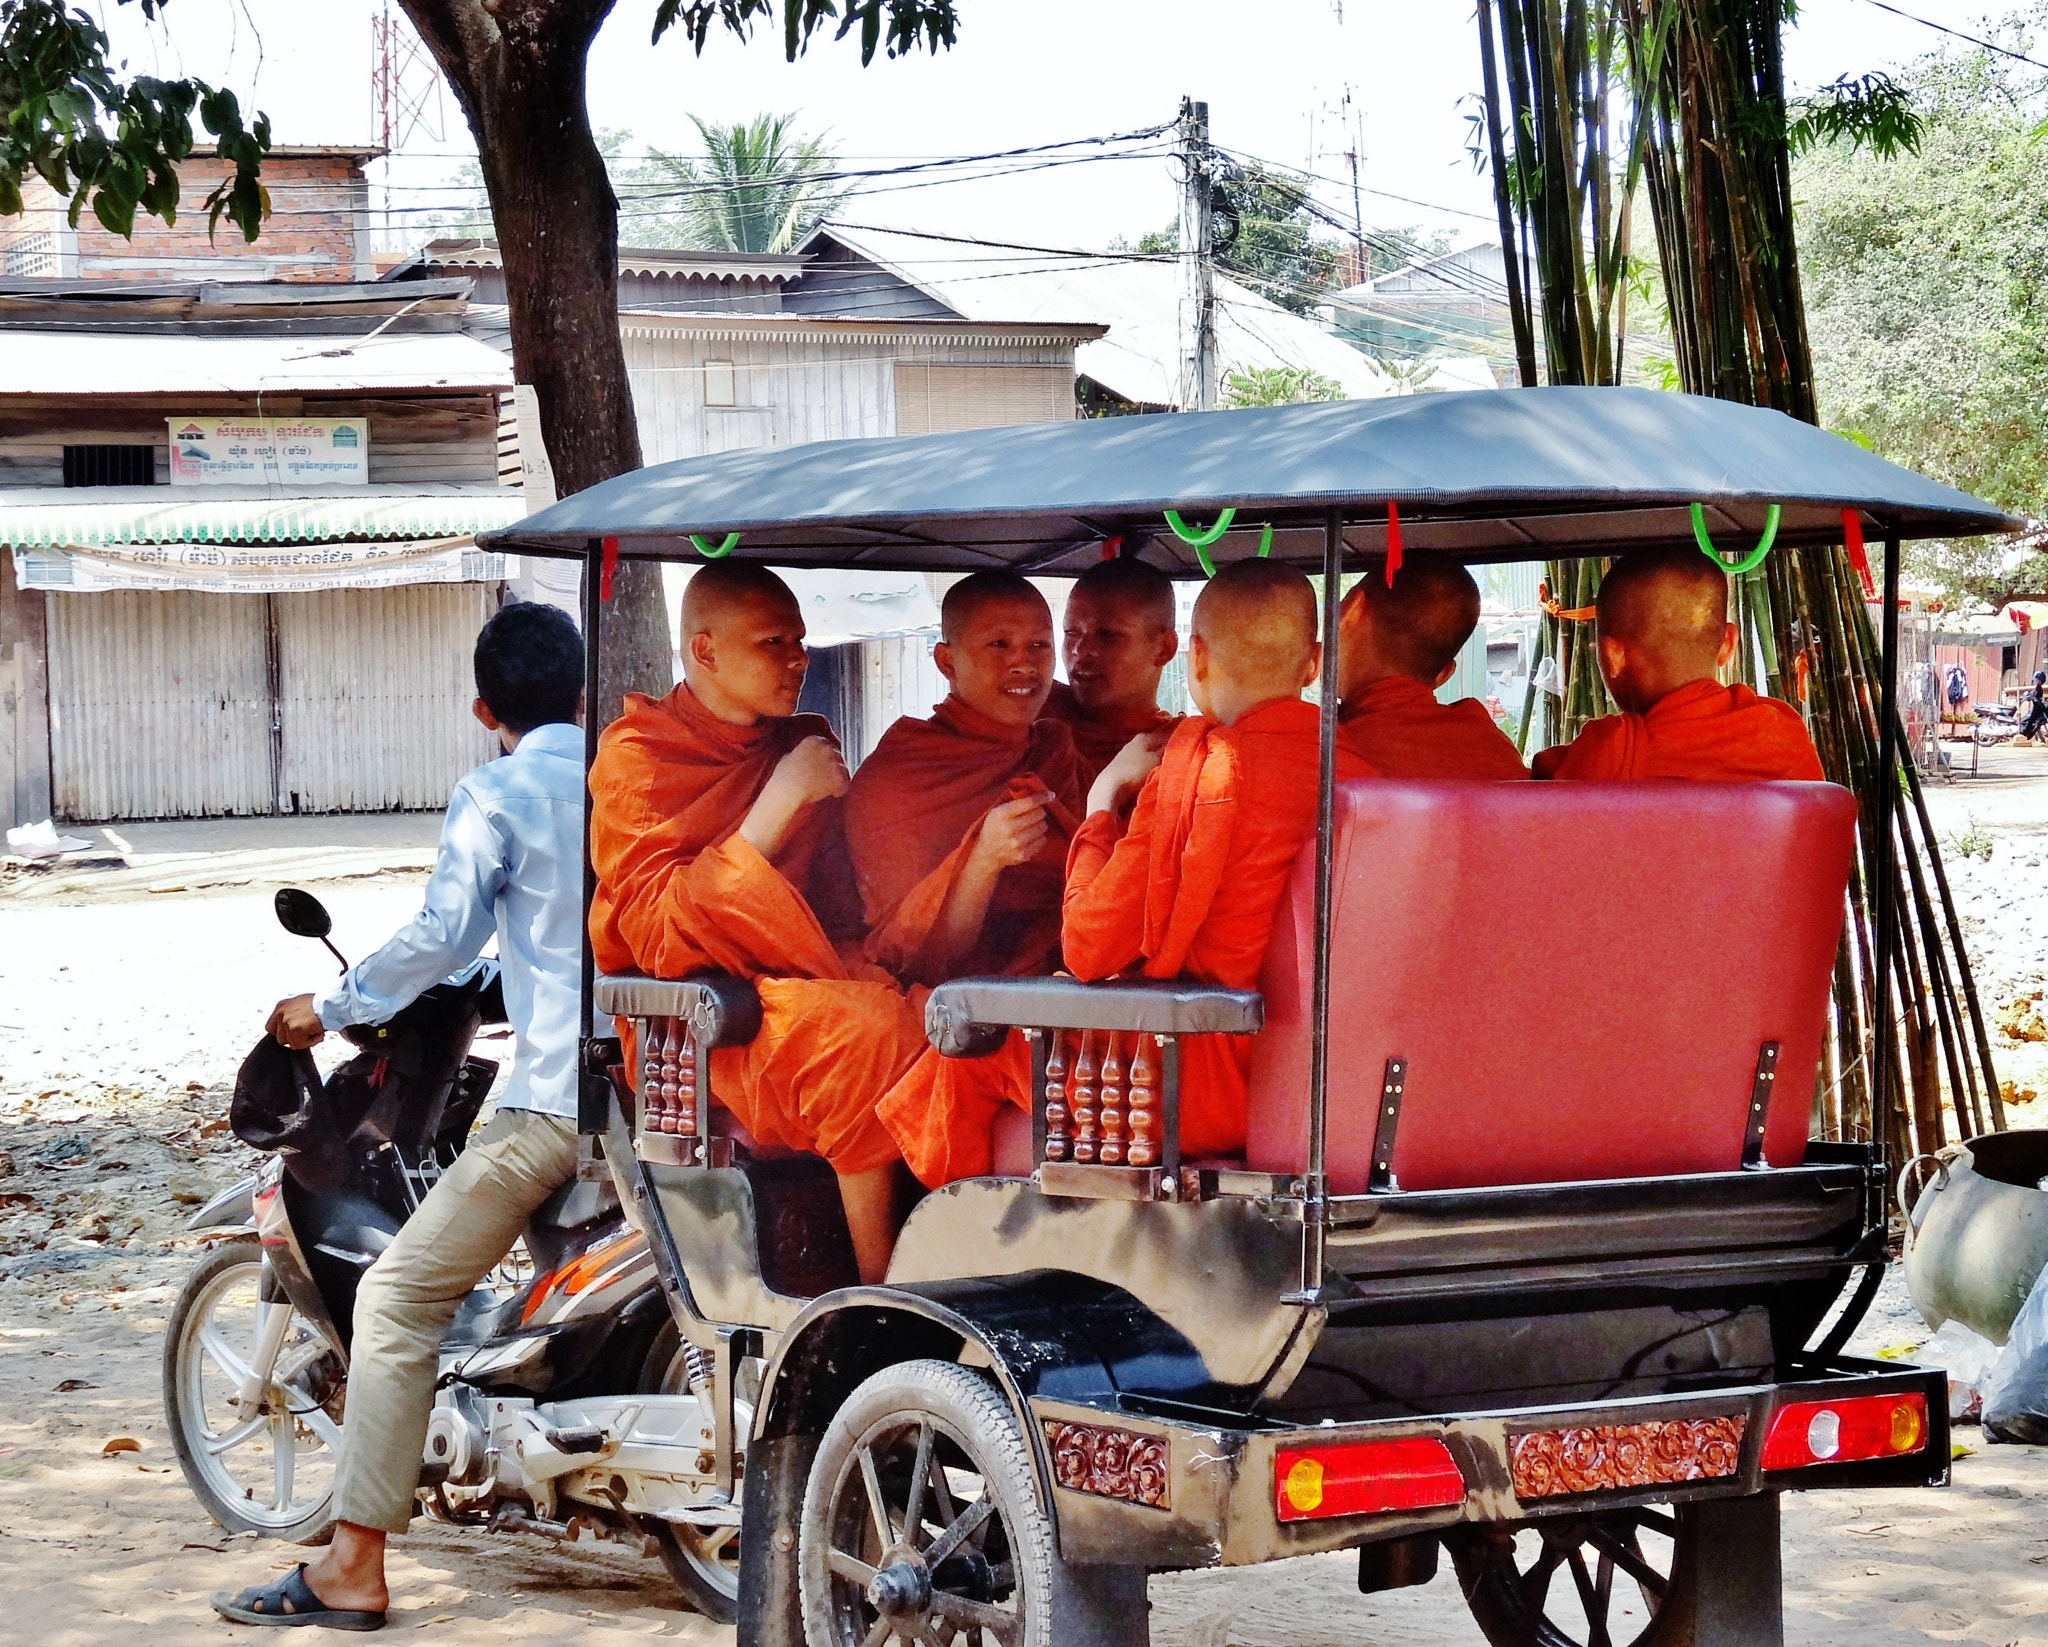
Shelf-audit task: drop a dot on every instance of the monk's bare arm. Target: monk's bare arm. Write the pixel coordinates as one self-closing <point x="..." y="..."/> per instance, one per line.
<point x="813" y="771"/>
<point x="1011" y="834"/>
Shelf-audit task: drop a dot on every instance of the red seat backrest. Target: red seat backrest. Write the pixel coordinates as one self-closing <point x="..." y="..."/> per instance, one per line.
<point x="1580" y="976"/>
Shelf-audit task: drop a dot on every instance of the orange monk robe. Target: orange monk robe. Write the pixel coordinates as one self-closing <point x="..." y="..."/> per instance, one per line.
<point x="1398" y="728"/>
<point x="1703" y="730"/>
<point x="1098" y="739"/>
<point x="913" y="814"/>
<point x="1190" y="889"/>
<point x="679" y="889"/>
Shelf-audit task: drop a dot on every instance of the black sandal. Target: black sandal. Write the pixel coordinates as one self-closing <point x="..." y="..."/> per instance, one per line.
<point x="290" y="1601"/>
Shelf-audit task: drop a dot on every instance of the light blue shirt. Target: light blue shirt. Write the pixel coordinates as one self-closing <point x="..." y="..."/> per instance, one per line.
<point x="511" y="861"/>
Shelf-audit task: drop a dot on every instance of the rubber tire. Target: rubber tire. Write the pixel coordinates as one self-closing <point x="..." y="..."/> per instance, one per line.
<point x="317" y="1527"/>
<point x="1505" y="1618"/>
<point x="699" y="1591"/>
<point x="1062" y="1606"/>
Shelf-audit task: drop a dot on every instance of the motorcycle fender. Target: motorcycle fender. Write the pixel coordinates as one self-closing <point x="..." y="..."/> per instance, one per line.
<point x="230" y="1207"/>
<point x="287" y="1262"/>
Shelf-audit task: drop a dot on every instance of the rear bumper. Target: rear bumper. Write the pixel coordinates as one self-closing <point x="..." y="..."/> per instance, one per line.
<point x="1133" y="1487"/>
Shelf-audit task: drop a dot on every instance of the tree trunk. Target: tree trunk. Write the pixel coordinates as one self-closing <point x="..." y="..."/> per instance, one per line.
<point x="517" y="69"/>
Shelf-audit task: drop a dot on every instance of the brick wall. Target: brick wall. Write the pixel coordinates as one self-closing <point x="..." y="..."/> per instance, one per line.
<point x="319" y="230"/>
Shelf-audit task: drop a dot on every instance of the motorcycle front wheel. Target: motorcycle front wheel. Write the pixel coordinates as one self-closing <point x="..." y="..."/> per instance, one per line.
<point x="267" y="1469"/>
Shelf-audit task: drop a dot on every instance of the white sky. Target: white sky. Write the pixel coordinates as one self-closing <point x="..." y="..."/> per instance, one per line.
<point x="1274" y="72"/>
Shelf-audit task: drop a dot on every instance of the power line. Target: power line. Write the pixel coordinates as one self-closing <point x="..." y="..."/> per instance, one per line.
<point x="1973" y="39"/>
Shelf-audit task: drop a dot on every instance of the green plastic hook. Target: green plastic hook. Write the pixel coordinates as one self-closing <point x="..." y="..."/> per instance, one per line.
<point x="1199" y="541"/>
<point x="732" y="542"/>
<point x="1749" y="562"/>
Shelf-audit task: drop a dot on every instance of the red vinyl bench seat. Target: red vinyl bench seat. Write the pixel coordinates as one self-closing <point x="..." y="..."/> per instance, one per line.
<point x="1579" y="976"/>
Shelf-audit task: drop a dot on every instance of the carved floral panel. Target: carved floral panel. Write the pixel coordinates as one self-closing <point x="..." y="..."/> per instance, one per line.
<point x="1606" y="1456"/>
<point x="1092" y="1458"/>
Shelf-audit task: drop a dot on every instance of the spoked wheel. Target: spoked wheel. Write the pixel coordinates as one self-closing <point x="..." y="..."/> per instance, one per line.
<point x="265" y="1465"/>
<point x="1614" y="1578"/>
<point x="703" y="1559"/>
<point x="920" y="1522"/>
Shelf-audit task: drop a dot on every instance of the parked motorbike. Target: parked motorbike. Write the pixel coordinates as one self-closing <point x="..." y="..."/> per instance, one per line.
<point x="567" y="1404"/>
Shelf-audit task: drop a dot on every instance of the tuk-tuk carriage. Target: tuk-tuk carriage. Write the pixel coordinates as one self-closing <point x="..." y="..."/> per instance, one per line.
<point x="1529" y="1258"/>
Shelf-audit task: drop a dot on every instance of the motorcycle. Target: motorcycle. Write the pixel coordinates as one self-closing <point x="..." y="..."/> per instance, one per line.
<point x="567" y="1404"/>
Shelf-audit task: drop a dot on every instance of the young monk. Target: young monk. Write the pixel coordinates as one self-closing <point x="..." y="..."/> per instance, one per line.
<point x="1191" y="887"/>
<point x="1661" y="626"/>
<point x="708" y="813"/>
<point x="1395" y="647"/>
<point x="1118" y="638"/>
<point x="959" y="824"/>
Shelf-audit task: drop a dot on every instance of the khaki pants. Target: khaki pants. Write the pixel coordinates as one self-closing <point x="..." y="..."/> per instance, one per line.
<point x="467" y="1223"/>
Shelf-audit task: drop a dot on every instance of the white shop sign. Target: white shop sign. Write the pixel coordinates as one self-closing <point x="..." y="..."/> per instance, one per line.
<point x="270" y="451"/>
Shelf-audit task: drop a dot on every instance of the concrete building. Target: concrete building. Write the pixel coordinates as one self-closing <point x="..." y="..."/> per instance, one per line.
<point x="319" y="228"/>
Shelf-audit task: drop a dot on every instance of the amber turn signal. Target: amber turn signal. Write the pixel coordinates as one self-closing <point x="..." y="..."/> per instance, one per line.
<point x="1805" y="1433"/>
<point x="1365" y="1478"/>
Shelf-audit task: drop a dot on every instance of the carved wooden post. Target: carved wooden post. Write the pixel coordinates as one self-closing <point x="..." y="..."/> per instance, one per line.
<point x="1144" y="1113"/>
<point x="671" y="1076"/>
<point x="649" y="1033"/>
<point x="1110" y="1105"/>
<point x="1084" y="1099"/>
<point x="1056" y="1112"/>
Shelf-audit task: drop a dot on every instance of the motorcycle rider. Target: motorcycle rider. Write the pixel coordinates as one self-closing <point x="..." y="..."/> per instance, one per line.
<point x="511" y="862"/>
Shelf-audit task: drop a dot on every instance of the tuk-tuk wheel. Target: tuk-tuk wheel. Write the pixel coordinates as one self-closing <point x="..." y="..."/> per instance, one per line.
<point x="921" y="1522"/>
<point x="1613" y="1578"/>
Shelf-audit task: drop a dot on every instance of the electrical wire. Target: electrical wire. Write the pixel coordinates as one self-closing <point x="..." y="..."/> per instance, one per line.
<point x="1973" y="39"/>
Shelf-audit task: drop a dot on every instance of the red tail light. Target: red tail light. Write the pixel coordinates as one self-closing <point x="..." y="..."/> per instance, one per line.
<point x="1805" y="1433"/>
<point x="1365" y="1478"/>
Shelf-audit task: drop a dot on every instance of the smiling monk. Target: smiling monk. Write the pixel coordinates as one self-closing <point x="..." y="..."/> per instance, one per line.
<point x="1191" y="887"/>
<point x="1395" y="647"/>
<point x="1661" y="626"/>
<point x="708" y="822"/>
<point x="959" y="824"/>
<point x="1119" y="637"/>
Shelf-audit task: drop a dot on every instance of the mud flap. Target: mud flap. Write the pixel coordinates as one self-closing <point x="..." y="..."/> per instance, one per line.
<point x="1736" y="1598"/>
<point x="1099" y="1607"/>
<point x="771" y="1610"/>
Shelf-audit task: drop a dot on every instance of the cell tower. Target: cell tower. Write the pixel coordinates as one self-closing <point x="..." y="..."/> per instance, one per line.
<point x="405" y="92"/>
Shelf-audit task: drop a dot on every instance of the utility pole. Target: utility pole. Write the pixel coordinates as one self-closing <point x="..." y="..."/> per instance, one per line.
<point x="1197" y="263"/>
<point x="1354" y="135"/>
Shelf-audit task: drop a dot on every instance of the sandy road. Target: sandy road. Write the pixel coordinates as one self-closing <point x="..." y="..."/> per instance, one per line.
<point x="121" y="1022"/>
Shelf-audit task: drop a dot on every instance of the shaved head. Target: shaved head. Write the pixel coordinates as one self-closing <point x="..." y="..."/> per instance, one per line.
<point x="1671" y="601"/>
<point x="1143" y="590"/>
<point x="1421" y="624"/>
<point x="974" y="594"/>
<point x="1255" y="632"/>
<point x="724" y="588"/>
<point x="743" y="642"/>
<point x="1662" y="622"/>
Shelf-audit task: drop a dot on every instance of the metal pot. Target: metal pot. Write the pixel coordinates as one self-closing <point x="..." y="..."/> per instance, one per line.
<point x="1976" y="1229"/>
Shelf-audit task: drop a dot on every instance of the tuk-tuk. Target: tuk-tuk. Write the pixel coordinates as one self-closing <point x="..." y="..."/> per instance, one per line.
<point x="1530" y="1258"/>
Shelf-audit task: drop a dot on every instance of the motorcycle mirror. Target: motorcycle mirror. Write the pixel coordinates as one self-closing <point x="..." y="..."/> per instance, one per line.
<point x="305" y="916"/>
<point x="301" y="914"/>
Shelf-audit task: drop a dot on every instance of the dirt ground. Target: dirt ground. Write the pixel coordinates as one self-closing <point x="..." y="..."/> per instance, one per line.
<point x="123" y="1013"/>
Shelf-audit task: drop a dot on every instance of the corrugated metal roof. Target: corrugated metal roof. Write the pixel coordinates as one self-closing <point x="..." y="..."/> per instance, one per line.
<point x="1138" y="299"/>
<point x="33" y="518"/>
<point x="84" y="363"/>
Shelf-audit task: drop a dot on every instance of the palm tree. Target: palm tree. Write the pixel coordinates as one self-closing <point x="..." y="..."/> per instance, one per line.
<point x="759" y="188"/>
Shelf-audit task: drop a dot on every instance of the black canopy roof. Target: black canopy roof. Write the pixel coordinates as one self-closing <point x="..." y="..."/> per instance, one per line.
<point x="1516" y="474"/>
